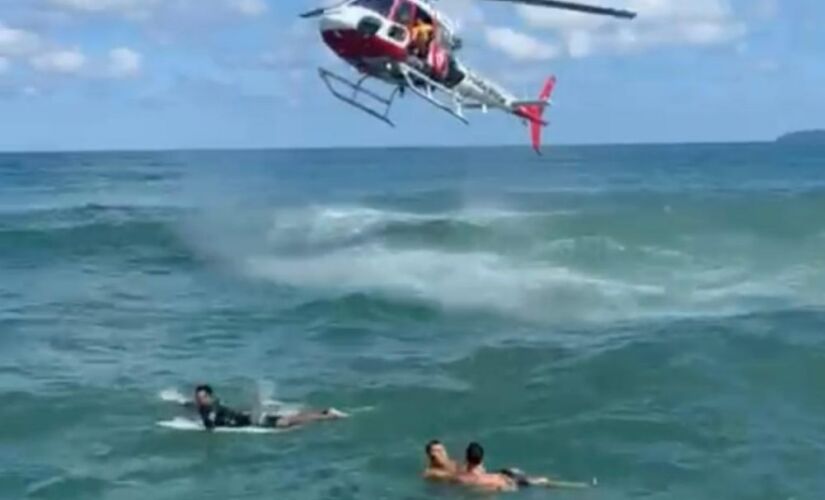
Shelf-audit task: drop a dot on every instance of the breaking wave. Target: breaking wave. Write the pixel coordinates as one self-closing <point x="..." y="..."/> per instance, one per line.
<point x="588" y="264"/>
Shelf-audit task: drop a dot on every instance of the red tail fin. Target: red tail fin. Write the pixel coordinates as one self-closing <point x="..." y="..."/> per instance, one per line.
<point x="533" y="113"/>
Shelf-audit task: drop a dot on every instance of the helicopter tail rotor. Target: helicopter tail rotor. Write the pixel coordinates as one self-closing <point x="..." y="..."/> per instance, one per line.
<point x="533" y="112"/>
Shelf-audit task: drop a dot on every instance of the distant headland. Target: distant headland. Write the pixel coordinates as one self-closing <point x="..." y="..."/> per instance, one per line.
<point x="803" y="137"/>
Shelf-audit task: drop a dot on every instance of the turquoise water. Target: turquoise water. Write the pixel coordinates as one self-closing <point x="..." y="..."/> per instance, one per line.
<point x="651" y="316"/>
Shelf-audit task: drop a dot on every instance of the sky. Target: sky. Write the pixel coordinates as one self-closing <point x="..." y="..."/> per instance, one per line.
<point x="161" y="74"/>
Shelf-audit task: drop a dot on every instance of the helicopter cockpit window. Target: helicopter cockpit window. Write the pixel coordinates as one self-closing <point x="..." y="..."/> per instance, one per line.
<point x="398" y="33"/>
<point x="381" y="7"/>
<point x="404" y="13"/>
<point x="442" y="35"/>
<point x="423" y="16"/>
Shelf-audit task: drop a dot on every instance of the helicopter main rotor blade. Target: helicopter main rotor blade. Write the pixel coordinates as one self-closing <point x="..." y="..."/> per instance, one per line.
<point x="314" y="13"/>
<point x="576" y="7"/>
<point x="320" y="11"/>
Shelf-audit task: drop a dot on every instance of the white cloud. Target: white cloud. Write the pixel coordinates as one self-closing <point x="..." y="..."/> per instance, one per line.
<point x="464" y="13"/>
<point x="124" y="63"/>
<point x="543" y="17"/>
<point x="16" y="42"/>
<point x="62" y="61"/>
<point x="117" y="6"/>
<point x="133" y="9"/>
<point x="250" y="8"/>
<point x="766" y="9"/>
<point x="146" y="9"/>
<point x="50" y="57"/>
<point x="520" y="46"/>
<point x="660" y="22"/>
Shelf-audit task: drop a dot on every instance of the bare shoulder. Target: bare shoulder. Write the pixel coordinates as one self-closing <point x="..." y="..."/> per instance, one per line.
<point x="487" y="482"/>
<point x="466" y="479"/>
<point x="439" y="475"/>
<point x="497" y="482"/>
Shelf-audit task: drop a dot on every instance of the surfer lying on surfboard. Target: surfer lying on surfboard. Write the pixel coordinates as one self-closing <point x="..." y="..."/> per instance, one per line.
<point x="214" y="414"/>
<point x="440" y="467"/>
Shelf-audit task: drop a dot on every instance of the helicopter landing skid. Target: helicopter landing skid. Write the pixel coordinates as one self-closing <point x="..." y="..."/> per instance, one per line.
<point x="357" y="90"/>
<point x="427" y="88"/>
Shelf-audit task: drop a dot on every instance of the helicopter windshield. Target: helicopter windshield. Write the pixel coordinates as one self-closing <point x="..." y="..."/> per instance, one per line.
<point x="382" y="7"/>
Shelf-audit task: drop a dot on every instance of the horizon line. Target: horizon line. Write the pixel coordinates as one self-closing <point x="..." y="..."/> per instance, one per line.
<point x="196" y="149"/>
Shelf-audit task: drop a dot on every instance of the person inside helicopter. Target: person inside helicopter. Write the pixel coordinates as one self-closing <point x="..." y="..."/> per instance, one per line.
<point x="421" y="28"/>
<point x="428" y="52"/>
<point x="422" y="37"/>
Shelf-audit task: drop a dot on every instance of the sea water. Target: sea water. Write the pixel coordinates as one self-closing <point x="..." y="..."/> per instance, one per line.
<point x="651" y="316"/>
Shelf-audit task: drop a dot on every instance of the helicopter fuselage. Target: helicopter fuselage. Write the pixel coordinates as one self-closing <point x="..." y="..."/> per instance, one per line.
<point x="409" y="44"/>
<point x="376" y="45"/>
<point x="365" y="39"/>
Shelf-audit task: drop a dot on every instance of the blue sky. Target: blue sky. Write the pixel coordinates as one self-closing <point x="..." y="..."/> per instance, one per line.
<point x="145" y="74"/>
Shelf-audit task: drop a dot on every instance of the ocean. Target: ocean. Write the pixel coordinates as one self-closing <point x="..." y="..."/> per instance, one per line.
<point x="649" y="316"/>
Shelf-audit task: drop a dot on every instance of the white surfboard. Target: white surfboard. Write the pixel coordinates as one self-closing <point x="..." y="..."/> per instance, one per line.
<point x="186" y="424"/>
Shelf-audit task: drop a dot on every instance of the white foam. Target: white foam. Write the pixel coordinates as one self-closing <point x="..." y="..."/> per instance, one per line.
<point x="173" y="396"/>
<point x="321" y="224"/>
<point x="462" y="280"/>
<point x="360" y="409"/>
<point x="539" y="282"/>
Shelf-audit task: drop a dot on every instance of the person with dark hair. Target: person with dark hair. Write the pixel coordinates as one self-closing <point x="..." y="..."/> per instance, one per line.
<point x="475" y="475"/>
<point x="440" y="467"/>
<point x="214" y="414"/>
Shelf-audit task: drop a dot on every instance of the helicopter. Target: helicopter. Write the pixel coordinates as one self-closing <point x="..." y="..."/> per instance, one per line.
<point x="412" y="46"/>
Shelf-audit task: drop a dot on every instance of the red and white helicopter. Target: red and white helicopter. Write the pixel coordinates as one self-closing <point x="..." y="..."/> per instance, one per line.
<point x="409" y="44"/>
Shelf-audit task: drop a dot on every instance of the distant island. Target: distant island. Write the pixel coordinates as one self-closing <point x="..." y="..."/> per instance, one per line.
<point x="803" y="137"/>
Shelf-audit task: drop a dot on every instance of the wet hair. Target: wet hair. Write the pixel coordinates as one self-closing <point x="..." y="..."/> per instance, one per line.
<point x="429" y="448"/>
<point x="204" y="388"/>
<point x="475" y="454"/>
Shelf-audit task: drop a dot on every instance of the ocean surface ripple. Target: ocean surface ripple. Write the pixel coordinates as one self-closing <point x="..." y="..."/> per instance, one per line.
<point x="651" y="316"/>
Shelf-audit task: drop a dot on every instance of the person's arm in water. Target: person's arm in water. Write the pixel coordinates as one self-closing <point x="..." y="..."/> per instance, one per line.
<point x="488" y="482"/>
<point x="550" y="483"/>
<point x="523" y="480"/>
<point x="434" y="474"/>
<point x="496" y="482"/>
<point x="208" y="415"/>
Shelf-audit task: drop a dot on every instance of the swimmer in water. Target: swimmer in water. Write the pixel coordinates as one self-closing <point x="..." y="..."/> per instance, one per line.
<point x="475" y="475"/>
<point x="440" y="467"/>
<point x="214" y="414"/>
